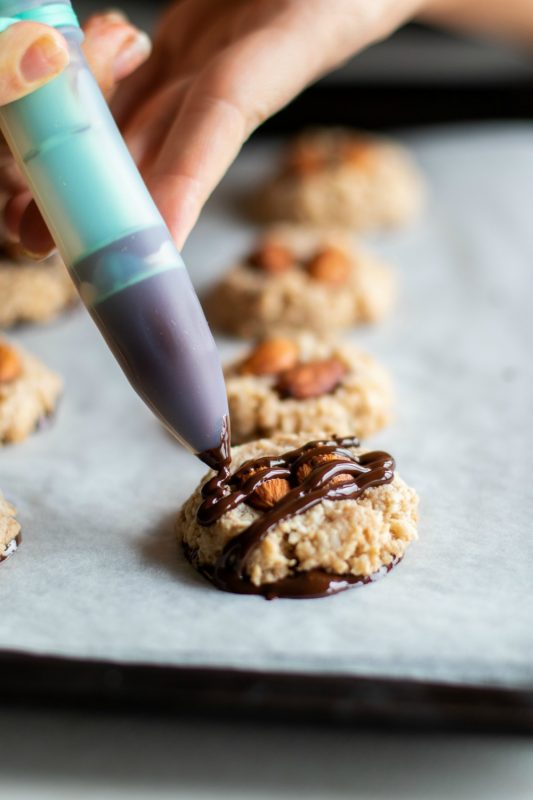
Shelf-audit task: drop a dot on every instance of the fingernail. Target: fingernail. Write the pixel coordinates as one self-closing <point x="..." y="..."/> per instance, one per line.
<point x="135" y="50"/>
<point x="44" y="58"/>
<point x="36" y="256"/>
<point x="115" y="14"/>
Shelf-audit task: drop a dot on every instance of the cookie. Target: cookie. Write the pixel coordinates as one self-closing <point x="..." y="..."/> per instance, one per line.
<point x="29" y="392"/>
<point x="33" y="291"/>
<point x="302" y="383"/>
<point x="9" y="529"/>
<point x="295" y="518"/>
<point x="343" y="177"/>
<point x="299" y="278"/>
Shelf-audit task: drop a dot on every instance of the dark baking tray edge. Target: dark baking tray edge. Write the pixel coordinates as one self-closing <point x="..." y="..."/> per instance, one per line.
<point x="35" y="680"/>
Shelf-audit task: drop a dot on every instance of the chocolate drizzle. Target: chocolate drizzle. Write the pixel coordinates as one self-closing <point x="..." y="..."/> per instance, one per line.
<point x="330" y="472"/>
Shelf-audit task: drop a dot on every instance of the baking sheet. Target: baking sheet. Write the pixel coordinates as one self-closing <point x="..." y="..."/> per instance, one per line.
<point x="99" y="574"/>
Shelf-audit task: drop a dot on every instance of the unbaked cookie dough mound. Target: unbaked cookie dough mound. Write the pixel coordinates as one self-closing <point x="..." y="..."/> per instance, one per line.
<point x="302" y="383"/>
<point x="33" y="291"/>
<point x="29" y="392"/>
<point x="9" y="529"/>
<point x="300" y="278"/>
<point x="298" y="518"/>
<point x="343" y="177"/>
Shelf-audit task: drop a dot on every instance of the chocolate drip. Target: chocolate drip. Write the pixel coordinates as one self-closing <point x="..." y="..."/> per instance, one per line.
<point x="219" y="458"/>
<point x="333" y="474"/>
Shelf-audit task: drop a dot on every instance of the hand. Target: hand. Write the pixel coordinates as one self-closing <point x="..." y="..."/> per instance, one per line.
<point x="218" y="69"/>
<point x="31" y="54"/>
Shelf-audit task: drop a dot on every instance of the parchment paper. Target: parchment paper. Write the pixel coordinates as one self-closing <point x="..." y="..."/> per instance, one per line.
<point x="99" y="574"/>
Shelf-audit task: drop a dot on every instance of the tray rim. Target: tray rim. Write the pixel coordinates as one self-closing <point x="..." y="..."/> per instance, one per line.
<point x="268" y="696"/>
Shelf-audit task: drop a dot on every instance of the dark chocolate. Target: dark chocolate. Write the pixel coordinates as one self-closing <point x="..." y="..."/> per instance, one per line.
<point x="219" y="458"/>
<point x="342" y="476"/>
<point x="314" y="583"/>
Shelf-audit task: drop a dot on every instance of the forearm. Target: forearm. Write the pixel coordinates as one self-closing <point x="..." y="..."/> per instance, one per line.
<point x="505" y="19"/>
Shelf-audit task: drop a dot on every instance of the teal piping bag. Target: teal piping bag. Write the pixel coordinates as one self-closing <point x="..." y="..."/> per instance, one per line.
<point x="113" y="240"/>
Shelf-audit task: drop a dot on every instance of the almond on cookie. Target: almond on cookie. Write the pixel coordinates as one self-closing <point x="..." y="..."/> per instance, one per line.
<point x="301" y="279"/>
<point x="311" y="379"/>
<point x="270" y="357"/>
<point x="330" y="265"/>
<point x="306" y="383"/>
<point x="342" y="177"/>
<point x="10" y="363"/>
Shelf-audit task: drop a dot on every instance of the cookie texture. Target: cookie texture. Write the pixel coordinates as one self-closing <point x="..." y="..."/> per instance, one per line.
<point x="33" y="292"/>
<point x="9" y="528"/>
<point x="343" y="177"/>
<point x="300" y="278"/>
<point x="344" y="389"/>
<point x="343" y="537"/>
<point x="28" y="393"/>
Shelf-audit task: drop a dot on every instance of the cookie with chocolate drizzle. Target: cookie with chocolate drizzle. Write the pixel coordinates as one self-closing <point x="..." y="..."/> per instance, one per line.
<point x="9" y="530"/>
<point x="293" y="518"/>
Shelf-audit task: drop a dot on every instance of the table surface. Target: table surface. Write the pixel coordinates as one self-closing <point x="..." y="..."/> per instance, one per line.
<point x="51" y="756"/>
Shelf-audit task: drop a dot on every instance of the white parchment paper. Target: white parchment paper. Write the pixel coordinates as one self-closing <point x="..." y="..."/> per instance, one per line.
<point x="99" y="574"/>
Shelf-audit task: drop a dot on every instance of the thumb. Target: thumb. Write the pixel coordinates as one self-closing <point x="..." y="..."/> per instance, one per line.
<point x="31" y="54"/>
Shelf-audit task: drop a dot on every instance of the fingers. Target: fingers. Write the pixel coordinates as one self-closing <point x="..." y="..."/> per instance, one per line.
<point x="31" y="54"/>
<point x="35" y="237"/>
<point x="11" y="180"/>
<point x="239" y="89"/>
<point x="23" y="222"/>
<point x="148" y="127"/>
<point x="204" y="139"/>
<point x="114" y="48"/>
<point x="131" y="93"/>
<point x="14" y="208"/>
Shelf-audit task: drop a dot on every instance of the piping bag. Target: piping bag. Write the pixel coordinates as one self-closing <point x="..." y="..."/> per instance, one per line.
<point x="113" y="240"/>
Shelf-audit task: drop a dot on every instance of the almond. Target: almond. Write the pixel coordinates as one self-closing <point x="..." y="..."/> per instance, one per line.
<point x="360" y="153"/>
<point x="330" y="265"/>
<point x="10" y="363"/>
<point x="304" y="158"/>
<point x="305" y="470"/>
<point x="312" y="379"/>
<point x="269" y="494"/>
<point x="270" y="357"/>
<point x="272" y="257"/>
